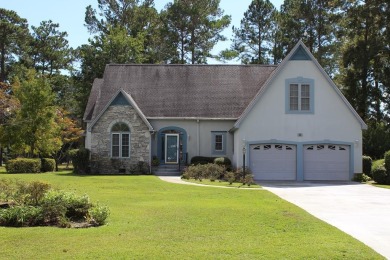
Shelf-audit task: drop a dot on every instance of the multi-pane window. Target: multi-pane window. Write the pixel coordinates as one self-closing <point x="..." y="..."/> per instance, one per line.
<point x="120" y="141"/>
<point x="218" y="142"/>
<point x="299" y="95"/>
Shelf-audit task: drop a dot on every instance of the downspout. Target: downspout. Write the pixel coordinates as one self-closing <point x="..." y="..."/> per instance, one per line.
<point x="198" y="136"/>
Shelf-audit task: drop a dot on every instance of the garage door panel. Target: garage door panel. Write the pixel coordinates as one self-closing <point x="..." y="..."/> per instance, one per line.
<point x="326" y="162"/>
<point x="273" y="162"/>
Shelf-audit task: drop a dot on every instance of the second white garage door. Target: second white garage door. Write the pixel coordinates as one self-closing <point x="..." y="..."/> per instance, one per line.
<point x="326" y="162"/>
<point x="273" y="161"/>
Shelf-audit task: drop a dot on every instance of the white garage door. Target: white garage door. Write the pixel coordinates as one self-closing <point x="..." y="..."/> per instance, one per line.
<point x="326" y="162"/>
<point x="273" y="161"/>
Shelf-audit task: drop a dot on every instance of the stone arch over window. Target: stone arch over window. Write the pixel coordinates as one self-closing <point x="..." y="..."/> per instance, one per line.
<point x="120" y="140"/>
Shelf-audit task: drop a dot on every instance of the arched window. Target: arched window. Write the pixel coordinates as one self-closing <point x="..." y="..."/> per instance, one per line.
<point x="120" y="141"/>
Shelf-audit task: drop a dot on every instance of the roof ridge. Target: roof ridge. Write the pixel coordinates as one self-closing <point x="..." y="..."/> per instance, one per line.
<point x="192" y="65"/>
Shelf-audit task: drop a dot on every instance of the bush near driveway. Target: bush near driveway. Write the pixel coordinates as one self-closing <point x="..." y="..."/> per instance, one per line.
<point x="381" y="170"/>
<point x="367" y="165"/>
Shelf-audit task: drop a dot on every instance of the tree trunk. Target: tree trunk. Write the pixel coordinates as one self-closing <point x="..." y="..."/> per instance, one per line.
<point x="2" y="61"/>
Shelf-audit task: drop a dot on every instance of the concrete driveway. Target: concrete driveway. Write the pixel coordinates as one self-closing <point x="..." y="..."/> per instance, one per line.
<point x="361" y="210"/>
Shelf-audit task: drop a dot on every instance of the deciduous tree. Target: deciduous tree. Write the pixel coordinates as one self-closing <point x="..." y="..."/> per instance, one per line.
<point x="33" y="130"/>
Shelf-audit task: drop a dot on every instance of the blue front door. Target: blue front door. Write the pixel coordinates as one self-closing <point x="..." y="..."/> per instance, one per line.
<point x="172" y="148"/>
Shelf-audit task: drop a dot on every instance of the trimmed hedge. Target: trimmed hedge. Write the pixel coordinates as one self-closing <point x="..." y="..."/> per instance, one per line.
<point x="23" y="165"/>
<point x="202" y="160"/>
<point x="48" y="165"/>
<point x="205" y="160"/>
<point x="367" y="165"/>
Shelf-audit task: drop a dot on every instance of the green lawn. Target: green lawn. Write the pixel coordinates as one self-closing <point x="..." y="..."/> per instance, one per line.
<point x="152" y="219"/>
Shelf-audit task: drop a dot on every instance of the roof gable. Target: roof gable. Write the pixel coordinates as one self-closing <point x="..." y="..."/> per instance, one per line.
<point x="299" y="52"/>
<point x="124" y="98"/>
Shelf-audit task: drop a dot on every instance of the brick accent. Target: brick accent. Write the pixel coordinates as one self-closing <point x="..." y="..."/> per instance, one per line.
<point x="101" y="161"/>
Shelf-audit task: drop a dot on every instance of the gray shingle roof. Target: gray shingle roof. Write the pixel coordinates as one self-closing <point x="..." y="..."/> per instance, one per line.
<point x="206" y="91"/>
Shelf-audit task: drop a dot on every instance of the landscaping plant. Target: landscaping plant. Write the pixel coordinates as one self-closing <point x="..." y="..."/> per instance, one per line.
<point x="36" y="203"/>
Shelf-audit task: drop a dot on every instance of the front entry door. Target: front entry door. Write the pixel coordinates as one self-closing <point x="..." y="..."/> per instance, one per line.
<point x="172" y="148"/>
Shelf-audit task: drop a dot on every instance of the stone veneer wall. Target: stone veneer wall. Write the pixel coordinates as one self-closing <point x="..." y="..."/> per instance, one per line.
<point x="101" y="161"/>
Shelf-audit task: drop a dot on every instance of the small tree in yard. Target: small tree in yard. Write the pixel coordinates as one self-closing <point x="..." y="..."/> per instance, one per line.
<point x="33" y="130"/>
<point x="70" y="134"/>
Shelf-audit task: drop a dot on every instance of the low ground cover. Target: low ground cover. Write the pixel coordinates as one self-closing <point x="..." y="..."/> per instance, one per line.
<point x="152" y="219"/>
<point x="223" y="183"/>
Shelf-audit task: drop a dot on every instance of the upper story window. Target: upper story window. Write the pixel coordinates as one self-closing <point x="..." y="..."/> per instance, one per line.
<point x="120" y="141"/>
<point x="218" y="143"/>
<point x="299" y="95"/>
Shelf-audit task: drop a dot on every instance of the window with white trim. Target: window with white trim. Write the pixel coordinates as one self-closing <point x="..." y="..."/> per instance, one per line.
<point x="299" y="95"/>
<point x="120" y="141"/>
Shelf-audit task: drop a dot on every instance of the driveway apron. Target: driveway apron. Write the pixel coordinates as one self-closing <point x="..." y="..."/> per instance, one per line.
<point x="360" y="210"/>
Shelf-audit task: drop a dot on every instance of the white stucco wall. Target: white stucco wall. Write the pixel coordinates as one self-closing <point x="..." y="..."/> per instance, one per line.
<point x="332" y="119"/>
<point x="199" y="135"/>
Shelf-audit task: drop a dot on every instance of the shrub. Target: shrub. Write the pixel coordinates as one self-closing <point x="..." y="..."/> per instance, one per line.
<point x="155" y="161"/>
<point x="230" y="177"/>
<point x="140" y="168"/>
<point x="7" y="189"/>
<point x="99" y="214"/>
<point x="30" y="193"/>
<point x="48" y="165"/>
<point x="23" y="165"/>
<point x="361" y="177"/>
<point x="379" y="175"/>
<point x="35" y="203"/>
<point x="387" y="162"/>
<point x="224" y="161"/>
<point x="19" y="216"/>
<point x="80" y="160"/>
<point x="367" y="165"/>
<point x="213" y="171"/>
<point x="248" y="179"/>
<point x="194" y="171"/>
<point x="60" y="205"/>
<point x="202" y="160"/>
